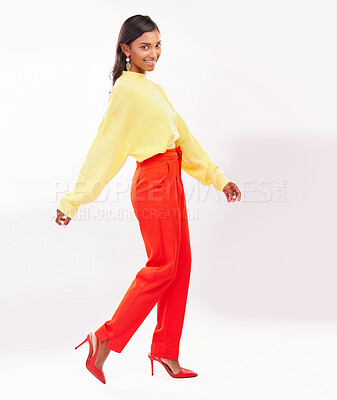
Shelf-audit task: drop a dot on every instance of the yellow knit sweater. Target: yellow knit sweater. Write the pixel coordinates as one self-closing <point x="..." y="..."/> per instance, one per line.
<point x="139" y="122"/>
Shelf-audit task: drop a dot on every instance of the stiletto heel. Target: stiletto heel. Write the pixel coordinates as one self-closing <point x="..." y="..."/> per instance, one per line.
<point x="81" y="343"/>
<point x="151" y="365"/>
<point x="183" y="373"/>
<point x="90" y="363"/>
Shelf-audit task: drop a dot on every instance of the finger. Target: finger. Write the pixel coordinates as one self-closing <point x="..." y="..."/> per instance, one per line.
<point x="59" y="215"/>
<point x="236" y="194"/>
<point x="233" y="195"/>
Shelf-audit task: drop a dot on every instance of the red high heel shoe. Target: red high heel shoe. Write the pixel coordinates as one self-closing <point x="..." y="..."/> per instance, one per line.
<point x="90" y="363"/>
<point x="184" y="373"/>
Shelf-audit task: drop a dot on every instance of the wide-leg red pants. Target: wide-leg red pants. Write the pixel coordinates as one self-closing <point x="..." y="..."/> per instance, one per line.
<point x="158" y="199"/>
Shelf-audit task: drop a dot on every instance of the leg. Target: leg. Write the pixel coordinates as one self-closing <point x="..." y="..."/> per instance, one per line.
<point x="102" y="354"/>
<point x="171" y="305"/>
<point x="162" y="241"/>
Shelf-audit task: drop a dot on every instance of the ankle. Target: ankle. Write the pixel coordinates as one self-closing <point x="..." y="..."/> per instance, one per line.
<point x="102" y="345"/>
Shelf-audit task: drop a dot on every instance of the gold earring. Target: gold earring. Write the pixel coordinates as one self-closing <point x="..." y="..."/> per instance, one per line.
<point x="128" y="65"/>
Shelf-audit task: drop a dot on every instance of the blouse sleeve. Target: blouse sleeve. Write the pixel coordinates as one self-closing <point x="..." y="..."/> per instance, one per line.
<point x="195" y="160"/>
<point x="105" y="158"/>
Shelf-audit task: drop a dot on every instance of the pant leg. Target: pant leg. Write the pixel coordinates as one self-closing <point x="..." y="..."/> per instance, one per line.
<point x="171" y="306"/>
<point x="162" y="237"/>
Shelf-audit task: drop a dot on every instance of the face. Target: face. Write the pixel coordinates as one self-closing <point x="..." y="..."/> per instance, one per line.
<point x="143" y="50"/>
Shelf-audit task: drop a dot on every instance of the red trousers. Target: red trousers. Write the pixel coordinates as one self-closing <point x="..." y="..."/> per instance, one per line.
<point x="158" y="199"/>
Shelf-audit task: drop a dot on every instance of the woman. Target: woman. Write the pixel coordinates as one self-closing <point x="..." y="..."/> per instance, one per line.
<point x="141" y="122"/>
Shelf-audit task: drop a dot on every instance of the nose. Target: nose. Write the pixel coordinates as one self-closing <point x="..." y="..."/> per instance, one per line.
<point x="153" y="54"/>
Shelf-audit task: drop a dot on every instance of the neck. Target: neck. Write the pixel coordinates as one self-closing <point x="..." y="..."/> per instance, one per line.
<point x="132" y="75"/>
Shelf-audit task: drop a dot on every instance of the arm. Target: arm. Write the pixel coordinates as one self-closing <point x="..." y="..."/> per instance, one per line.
<point x="105" y="158"/>
<point x="195" y="160"/>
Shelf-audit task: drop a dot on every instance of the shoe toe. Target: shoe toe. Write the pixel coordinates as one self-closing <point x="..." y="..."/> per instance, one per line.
<point x="188" y="372"/>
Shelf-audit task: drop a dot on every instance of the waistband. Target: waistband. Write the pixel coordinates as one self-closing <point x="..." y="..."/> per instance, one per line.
<point x="170" y="154"/>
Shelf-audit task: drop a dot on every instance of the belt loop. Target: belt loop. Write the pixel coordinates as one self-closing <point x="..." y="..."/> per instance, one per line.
<point x="179" y="152"/>
<point x="179" y="155"/>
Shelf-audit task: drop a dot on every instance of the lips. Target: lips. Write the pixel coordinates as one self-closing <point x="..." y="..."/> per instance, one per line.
<point x="150" y="62"/>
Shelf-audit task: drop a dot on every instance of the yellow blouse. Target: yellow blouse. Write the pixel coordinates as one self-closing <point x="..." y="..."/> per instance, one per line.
<point x="139" y="122"/>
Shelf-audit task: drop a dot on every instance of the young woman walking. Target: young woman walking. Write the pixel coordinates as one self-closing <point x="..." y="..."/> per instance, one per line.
<point x="142" y="123"/>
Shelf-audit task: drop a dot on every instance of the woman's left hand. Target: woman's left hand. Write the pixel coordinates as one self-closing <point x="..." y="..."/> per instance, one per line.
<point x="232" y="192"/>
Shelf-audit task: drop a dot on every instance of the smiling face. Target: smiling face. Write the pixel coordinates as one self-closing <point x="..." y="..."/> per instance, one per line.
<point x="144" y="51"/>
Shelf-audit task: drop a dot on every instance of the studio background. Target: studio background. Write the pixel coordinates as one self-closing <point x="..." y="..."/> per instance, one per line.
<point x="255" y="83"/>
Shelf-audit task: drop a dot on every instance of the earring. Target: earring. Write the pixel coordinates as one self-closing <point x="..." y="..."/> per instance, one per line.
<point x="128" y="65"/>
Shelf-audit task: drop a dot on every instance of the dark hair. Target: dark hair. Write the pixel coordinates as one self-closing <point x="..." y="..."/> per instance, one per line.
<point x="131" y="29"/>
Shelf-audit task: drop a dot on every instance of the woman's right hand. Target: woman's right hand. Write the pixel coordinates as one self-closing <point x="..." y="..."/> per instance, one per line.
<point x="62" y="218"/>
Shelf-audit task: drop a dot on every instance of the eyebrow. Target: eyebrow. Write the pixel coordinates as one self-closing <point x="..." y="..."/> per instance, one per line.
<point x="148" y="43"/>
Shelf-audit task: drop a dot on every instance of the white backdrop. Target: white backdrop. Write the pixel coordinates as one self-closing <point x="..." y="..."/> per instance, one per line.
<point x="256" y="84"/>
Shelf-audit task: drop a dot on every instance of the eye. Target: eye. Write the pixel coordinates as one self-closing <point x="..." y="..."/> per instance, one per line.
<point x="158" y="44"/>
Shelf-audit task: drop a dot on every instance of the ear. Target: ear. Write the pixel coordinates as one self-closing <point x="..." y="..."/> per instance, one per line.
<point x="125" y="49"/>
